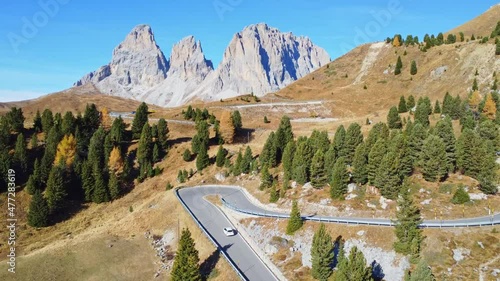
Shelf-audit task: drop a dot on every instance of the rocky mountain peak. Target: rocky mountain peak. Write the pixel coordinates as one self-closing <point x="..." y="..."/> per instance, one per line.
<point x="187" y="60"/>
<point x="261" y="59"/>
<point x="140" y="38"/>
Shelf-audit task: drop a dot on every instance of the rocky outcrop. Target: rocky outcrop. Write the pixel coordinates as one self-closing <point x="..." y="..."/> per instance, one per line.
<point x="259" y="59"/>
<point x="137" y="65"/>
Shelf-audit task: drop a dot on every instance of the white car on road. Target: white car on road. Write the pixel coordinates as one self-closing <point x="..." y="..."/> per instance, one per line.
<point x="229" y="231"/>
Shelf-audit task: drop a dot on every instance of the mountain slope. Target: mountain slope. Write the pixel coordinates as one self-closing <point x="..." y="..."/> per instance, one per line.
<point x="445" y="68"/>
<point x="260" y="59"/>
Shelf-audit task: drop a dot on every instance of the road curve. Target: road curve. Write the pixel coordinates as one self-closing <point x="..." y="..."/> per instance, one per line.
<point x="240" y="253"/>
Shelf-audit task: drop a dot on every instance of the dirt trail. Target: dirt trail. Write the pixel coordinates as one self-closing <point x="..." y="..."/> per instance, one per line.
<point x="369" y="60"/>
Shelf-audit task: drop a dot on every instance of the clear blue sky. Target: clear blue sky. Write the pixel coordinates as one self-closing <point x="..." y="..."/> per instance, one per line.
<point x="45" y="48"/>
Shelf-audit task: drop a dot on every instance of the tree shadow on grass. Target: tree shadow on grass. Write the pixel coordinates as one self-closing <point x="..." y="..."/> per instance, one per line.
<point x="208" y="265"/>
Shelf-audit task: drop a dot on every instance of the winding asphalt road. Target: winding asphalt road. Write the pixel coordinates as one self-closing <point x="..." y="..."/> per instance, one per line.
<point x="241" y="254"/>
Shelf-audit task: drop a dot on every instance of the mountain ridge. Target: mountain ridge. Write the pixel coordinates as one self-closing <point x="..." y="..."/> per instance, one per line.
<point x="259" y="59"/>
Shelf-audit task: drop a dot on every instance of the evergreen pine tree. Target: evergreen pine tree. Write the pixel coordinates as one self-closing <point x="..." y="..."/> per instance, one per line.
<point x="448" y="105"/>
<point x="375" y="158"/>
<point x="180" y="177"/>
<point x="269" y="151"/>
<point x="47" y="120"/>
<point x="49" y="155"/>
<point x="113" y="186"/>
<point x="127" y="168"/>
<point x="421" y="273"/>
<point x="422" y="114"/>
<point x="353" y="138"/>
<point x="411" y="102"/>
<point x="416" y="142"/>
<point x="354" y="267"/>
<point x="156" y="153"/>
<point x="284" y="135"/>
<point x="402" y="108"/>
<point x="100" y="192"/>
<point x="488" y="174"/>
<point x="318" y="172"/>
<point x="295" y="221"/>
<point x="273" y="194"/>
<point x="20" y="153"/>
<point x="236" y="117"/>
<point x="145" y="148"/>
<point x="360" y="165"/>
<point x="68" y="123"/>
<point x="87" y="179"/>
<point x="460" y="196"/>
<point x="444" y="130"/>
<point x="186" y="260"/>
<point x="39" y="211"/>
<point x="340" y="179"/>
<point x="34" y="141"/>
<point x="287" y="158"/>
<point x="409" y="236"/>
<point x="246" y="161"/>
<point x="433" y="159"/>
<point x="140" y="119"/>
<point x="322" y="254"/>
<point x="237" y="164"/>
<point x="186" y="156"/>
<point x="330" y="159"/>
<point x="388" y="176"/>
<point x="37" y="122"/>
<point x="202" y="159"/>
<point x="117" y="132"/>
<point x="265" y="178"/>
<point x="96" y="148"/>
<point x="108" y="146"/>
<point x="413" y="68"/>
<point x="399" y="65"/>
<point x="300" y="165"/>
<point x="163" y="133"/>
<point x="56" y="192"/>
<point x="393" y="119"/>
<point x="497" y="50"/>
<point x="474" y="85"/>
<point x="437" y="107"/>
<point x="221" y="156"/>
<point x="472" y="154"/>
<point x="31" y="186"/>
<point x="91" y="120"/>
<point x="339" y="140"/>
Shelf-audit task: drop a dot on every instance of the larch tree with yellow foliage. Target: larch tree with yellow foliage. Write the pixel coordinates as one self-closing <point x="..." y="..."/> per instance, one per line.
<point x="490" y="108"/>
<point x="474" y="100"/>
<point x="227" y="128"/>
<point x="116" y="161"/>
<point x="396" y="42"/>
<point x="66" y="149"/>
<point x="105" y="119"/>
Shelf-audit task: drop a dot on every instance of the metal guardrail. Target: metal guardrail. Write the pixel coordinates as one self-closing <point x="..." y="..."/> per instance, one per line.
<point x="217" y="245"/>
<point x="428" y="224"/>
